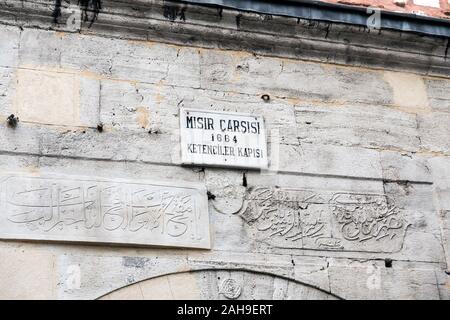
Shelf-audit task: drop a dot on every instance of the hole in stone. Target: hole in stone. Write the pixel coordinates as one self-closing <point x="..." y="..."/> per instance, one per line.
<point x="244" y="180"/>
<point x="12" y="121"/>
<point x="388" y="263"/>
<point x="210" y="196"/>
<point x="265" y="97"/>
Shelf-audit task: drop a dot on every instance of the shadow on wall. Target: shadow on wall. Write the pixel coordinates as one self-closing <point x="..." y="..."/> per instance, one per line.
<point x="86" y="6"/>
<point x="219" y="285"/>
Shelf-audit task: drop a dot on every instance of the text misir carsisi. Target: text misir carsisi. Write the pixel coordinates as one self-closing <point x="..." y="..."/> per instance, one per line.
<point x="207" y="123"/>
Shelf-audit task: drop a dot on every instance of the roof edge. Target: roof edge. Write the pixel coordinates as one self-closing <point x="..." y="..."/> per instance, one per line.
<point x="338" y="13"/>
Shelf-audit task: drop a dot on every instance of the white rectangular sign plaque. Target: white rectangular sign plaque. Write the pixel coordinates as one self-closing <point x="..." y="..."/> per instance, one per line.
<point x="219" y="138"/>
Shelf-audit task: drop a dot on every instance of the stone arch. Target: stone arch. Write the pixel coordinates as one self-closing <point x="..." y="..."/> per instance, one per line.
<point x="219" y="284"/>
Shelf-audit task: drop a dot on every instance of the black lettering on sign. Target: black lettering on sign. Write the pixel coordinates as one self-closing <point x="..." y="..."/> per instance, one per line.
<point x="250" y="152"/>
<point x="243" y="126"/>
<point x="205" y="123"/>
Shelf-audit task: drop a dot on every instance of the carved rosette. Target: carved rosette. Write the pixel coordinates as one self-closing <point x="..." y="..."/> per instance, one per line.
<point x="230" y="289"/>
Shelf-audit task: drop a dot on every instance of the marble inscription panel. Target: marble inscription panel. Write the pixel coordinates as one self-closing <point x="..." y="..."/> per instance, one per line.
<point x="104" y="211"/>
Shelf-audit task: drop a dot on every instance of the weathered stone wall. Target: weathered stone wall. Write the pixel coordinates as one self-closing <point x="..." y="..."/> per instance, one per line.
<point x="348" y="141"/>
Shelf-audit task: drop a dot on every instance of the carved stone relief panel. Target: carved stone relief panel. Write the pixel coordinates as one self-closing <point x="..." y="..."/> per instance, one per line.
<point x="104" y="210"/>
<point x="324" y="220"/>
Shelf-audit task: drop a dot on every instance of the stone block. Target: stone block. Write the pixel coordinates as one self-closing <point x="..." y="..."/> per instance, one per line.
<point x="329" y="160"/>
<point x="409" y="90"/>
<point x="434" y="128"/>
<point x="437" y="90"/>
<point x="157" y="289"/>
<point x="24" y="139"/>
<point x="357" y="125"/>
<point x="440" y="169"/>
<point x="33" y="53"/>
<point x="9" y="46"/>
<point x="109" y="145"/>
<point x="371" y="280"/>
<point x="7" y="91"/>
<point x="27" y="274"/>
<point x="56" y="98"/>
<point x="405" y="167"/>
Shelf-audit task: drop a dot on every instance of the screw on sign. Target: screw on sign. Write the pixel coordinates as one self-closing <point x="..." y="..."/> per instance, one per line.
<point x="230" y="289"/>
